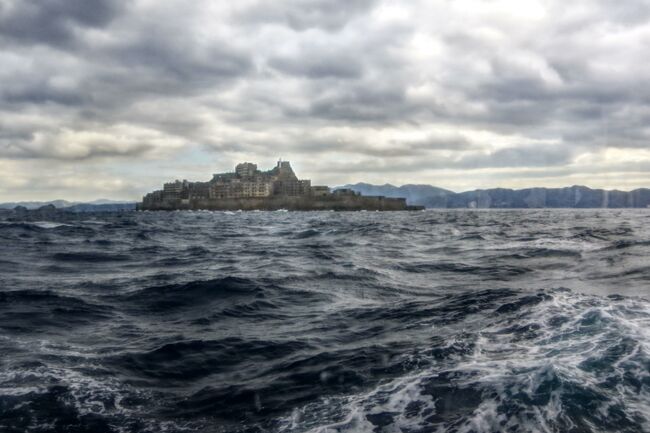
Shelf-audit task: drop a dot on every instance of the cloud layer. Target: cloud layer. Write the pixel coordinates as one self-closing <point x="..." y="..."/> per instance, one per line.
<point x="112" y="97"/>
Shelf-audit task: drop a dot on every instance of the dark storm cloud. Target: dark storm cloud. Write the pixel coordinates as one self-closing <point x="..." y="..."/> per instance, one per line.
<point x="613" y="136"/>
<point x="443" y="142"/>
<point x="56" y="146"/>
<point x="319" y="65"/>
<point x="337" y="142"/>
<point x="13" y="133"/>
<point x="138" y="77"/>
<point x="180" y="59"/>
<point x="520" y="157"/>
<point x="373" y="102"/>
<point x="91" y="150"/>
<point x="327" y="80"/>
<point x="42" y="93"/>
<point x="537" y="155"/>
<point x="385" y="167"/>
<point x="53" y="22"/>
<point x="359" y="146"/>
<point x="300" y="15"/>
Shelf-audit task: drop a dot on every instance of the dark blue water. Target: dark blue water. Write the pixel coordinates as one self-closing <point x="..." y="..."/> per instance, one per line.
<point x="441" y="321"/>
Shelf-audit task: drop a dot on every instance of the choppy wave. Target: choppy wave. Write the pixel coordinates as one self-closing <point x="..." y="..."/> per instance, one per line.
<point x="449" y="321"/>
<point x="557" y="361"/>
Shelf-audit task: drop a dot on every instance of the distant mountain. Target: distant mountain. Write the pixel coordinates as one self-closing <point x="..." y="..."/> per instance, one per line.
<point x="106" y="201"/>
<point x="36" y="204"/>
<point x="571" y="197"/>
<point x="101" y="205"/>
<point x="421" y="195"/>
<point x="104" y="207"/>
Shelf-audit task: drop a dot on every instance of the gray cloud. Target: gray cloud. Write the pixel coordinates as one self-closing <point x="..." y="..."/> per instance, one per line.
<point x="300" y="15"/>
<point x="521" y="156"/>
<point x="181" y="60"/>
<point x="362" y="102"/>
<point x="70" y="145"/>
<point x="319" y="65"/>
<point x="551" y="157"/>
<point x="395" y="89"/>
<point x="53" y="22"/>
<point x="42" y="93"/>
<point x="454" y="142"/>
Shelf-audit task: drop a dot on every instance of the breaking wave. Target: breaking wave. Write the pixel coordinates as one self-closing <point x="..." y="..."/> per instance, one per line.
<point x="445" y="321"/>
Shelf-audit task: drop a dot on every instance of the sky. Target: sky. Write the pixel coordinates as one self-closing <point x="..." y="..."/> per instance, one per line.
<point x="111" y="98"/>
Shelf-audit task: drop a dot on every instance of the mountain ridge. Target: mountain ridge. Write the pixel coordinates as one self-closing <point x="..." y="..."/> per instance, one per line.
<point x="432" y="197"/>
<point x="575" y="196"/>
<point x="101" y="205"/>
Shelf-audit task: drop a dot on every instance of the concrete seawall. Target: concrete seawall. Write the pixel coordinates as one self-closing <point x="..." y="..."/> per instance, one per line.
<point x="298" y="203"/>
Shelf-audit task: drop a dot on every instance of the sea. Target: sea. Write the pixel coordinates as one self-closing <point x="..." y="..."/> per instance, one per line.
<point x="466" y="321"/>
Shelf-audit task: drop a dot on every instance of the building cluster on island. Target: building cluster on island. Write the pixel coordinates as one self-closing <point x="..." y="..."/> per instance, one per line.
<point x="248" y="188"/>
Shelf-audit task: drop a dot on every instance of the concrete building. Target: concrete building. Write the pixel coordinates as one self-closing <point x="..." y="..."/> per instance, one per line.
<point x="320" y="191"/>
<point x="250" y="188"/>
<point x="245" y="170"/>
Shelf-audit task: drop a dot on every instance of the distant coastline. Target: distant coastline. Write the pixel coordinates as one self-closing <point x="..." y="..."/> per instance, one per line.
<point x="576" y="196"/>
<point x="77" y="207"/>
<point x="430" y="197"/>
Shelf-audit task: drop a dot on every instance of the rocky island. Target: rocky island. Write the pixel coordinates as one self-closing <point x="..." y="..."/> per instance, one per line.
<point x="248" y="188"/>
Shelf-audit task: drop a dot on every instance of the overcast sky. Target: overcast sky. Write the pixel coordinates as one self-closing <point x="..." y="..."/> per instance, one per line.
<point x="109" y="98"/>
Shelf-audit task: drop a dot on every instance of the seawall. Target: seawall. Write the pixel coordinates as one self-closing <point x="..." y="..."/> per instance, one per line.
<point x="299" y="203"/>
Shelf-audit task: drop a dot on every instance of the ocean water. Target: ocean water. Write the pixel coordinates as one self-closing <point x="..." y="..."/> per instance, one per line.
<point x="434" y="321"/>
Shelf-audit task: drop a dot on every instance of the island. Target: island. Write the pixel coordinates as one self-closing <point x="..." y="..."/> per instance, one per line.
<point x="248" y="188"/>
